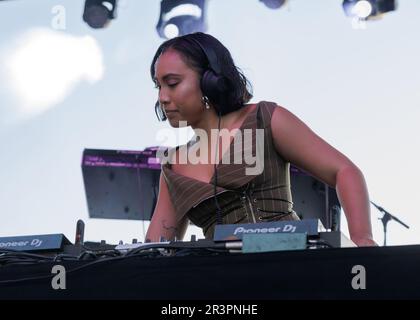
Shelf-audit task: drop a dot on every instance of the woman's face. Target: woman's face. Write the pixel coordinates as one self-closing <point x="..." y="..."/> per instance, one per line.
<point x="179" y="89"/>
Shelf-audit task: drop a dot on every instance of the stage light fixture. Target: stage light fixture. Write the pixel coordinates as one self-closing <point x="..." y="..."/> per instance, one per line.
<point x="273" y="4"/>
<point x="368" y="9"/>
<point x="99" y="13"/>
<point x="180" y="17"/>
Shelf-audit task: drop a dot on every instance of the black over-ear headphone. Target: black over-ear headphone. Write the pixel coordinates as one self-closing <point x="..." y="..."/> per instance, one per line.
<point x="212" y="83"/>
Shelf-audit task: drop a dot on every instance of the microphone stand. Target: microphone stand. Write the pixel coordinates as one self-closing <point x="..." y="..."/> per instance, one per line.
<point x="386" y="218"/>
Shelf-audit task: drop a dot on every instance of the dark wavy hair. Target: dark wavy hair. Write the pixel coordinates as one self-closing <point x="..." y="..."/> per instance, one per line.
<point x="239" y="88"/>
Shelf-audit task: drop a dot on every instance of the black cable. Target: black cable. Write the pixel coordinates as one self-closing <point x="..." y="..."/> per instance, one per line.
<point x="10" y="256"/>
<point x="322" y="242"/>
<point x="136" y="253"/>
<point x="11" y="252"/>
<point x="177" y="245"/>
<point x="50" y="276"/>
<point x="89" y="264"/>
<point x="218" y="209"/>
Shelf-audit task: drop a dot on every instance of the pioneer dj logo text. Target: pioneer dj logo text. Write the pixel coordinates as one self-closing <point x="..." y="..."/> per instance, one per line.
<point x="36" y="243"/>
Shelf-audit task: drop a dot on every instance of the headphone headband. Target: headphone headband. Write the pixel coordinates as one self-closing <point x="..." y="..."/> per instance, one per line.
<point x="210" y="54"/>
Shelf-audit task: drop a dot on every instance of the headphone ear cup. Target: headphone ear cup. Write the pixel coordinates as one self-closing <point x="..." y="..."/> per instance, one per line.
<point x="214" y="87"/>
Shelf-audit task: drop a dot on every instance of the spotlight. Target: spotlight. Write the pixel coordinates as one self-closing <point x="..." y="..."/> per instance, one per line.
<point x="273" y="4"/>
<point x="368" y="9"/>
<point x="180" y="17"/>
<point x="99" y="13"/>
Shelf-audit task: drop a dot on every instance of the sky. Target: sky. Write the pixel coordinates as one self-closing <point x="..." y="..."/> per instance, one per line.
<point x="65" y="87"/>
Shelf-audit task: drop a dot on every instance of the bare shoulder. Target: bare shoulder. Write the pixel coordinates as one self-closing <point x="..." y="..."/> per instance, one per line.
<point x="282" y="117"/>
<point x="280" y="109"/>
<point x="300" y="145"/>
<point x="285" y="125"/>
